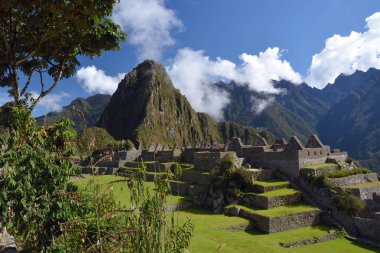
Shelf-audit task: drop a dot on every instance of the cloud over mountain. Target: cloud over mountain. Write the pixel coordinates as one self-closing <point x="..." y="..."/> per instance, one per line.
<point x="95" y="80"/>
<point x="193" y="73"/>
<point x="346" y="54"/>
<point x="149" y="24"/>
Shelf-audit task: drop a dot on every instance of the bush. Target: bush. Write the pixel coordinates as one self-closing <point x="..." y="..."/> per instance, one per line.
<point x="348" y="203"/>
<point x="346" y="173"/>
<point x="34" y="182"/>
<point x="129" y="145"/>
<point x="349" y="160"/>
<point x="319" y="181"/>
<point x="231" y="180"/>
<point x="227" y="164"/>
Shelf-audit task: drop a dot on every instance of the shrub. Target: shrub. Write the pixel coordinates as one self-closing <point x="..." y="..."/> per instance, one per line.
<point x="348" y="203"/>
<point x="319" y="181"/>
<point x="346" y="173"/>
<point x="231" y="180"/>
<point x="227" y="164"/>
<point x="34" y="181"/>
<point x="349" y="160"/>
<point x="129" y="145"/>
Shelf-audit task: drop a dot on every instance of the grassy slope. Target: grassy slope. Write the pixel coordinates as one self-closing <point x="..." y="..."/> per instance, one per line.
<point x="208" y="236"/>
<point x="120" y="189"/>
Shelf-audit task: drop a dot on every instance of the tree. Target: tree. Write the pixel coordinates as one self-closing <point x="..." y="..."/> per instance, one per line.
<point x="45" y="38"/>
<point x="34" y="179"/>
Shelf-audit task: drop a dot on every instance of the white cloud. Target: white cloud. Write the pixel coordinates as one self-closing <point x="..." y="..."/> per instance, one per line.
<point x="51" y="102"/>
<point x="346" y="54"/>
<point x="193" y="73"/>
<point x="260" y="104"/>
<point x="148" y="24"/>
<point x="95" y="80"/>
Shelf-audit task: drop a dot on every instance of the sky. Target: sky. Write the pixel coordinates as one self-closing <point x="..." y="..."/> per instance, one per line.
<point x="250" y="41"/>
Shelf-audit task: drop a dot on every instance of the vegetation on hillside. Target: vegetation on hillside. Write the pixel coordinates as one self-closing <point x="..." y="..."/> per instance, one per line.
<point x="91" y="108"/>
<point x="146" y="108"/>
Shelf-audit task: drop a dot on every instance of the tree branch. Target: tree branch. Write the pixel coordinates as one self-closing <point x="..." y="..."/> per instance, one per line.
<point x="27" y="83"/>
<point x="46" y="92"/>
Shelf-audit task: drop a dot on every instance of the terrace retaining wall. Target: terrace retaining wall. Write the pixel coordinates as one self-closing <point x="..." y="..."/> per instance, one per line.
<point x="270" y="202"/>
<point x="351" y="180"/>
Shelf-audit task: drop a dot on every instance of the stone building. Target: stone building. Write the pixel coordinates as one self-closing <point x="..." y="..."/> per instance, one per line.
<point x="287" y="157"/>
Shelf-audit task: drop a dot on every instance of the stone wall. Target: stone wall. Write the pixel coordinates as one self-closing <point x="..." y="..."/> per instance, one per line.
<point x="369" y="228"/>
<point x="355" y="179"/>
<point x="197" y="177"/>
<point x="318" y="172"/>
<point x="210" y="161"/>
<point x="111" y="164"/>
<point x="277" y="224"/>
<point x="294" y="221"/>
<point x="366" y="192"/>
<point x="262" y="174"/>
<point x="270" y="202"/>
<point x="148" y="155"/>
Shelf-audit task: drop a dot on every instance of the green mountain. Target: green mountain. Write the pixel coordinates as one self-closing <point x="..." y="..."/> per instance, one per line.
<point x="276" y="117"/>
<point x="91" y="107"/>
<point x="353" y="123"/>
<point x="146" y="108"/>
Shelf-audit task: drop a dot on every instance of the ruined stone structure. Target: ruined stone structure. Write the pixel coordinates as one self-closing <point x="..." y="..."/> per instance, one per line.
<point x="288" y="157"/>
<point x="211" y="160"/>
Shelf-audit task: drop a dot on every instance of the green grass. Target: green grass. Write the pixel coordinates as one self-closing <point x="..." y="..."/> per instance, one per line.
<point x="279" y="192"/>
<point x="208" y="237"/>
<point x="318" y="166"/>
<point x="346" y="173"/>
<point x="120" y="189"/>
<point x="365" y="185"/>
<point x="279" y="211"/>
<point x="268" y="183"/>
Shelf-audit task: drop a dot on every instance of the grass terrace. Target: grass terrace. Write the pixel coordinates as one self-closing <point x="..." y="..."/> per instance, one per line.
<point x="278" y="211"/>
<point x="275" y="182"/>
<point x="210" y="233"/>
<point x="120" y="189"/>
<point x="279" y="192"/>
<point x="365" y="185"/>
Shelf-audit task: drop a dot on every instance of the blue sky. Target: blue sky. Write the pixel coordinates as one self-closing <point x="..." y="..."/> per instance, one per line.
<point x="228" y="29"/>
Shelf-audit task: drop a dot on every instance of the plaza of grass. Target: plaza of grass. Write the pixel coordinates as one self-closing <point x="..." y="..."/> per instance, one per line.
<point x="211" y="233"/>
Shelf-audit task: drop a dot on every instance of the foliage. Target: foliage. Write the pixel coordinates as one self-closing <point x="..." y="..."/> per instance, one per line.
<point x="322" y="181"/>
<point x="143" y="226"/>
<point x="34" y="181"/>
<point x="57" y="33"/>
<point x="96" y="138"/>
<point x="84" y="112"/>
<point x="349" y="203"/>
<point x="319" y="181"/>
<point x="129" y="145"/>
<point x="232" y="181"/>
<point x="346" y="173"/>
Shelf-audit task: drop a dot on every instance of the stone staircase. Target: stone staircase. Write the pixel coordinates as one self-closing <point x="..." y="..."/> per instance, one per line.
<point x="274" y="207"/>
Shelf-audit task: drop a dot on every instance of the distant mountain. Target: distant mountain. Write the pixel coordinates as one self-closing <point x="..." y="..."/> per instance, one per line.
<point x="146" y="108"/>
<point x="285" y="115"/>
<point x="92" y="107"/>
<point x="343" y="85"/>
<point x="353" y="123"/>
